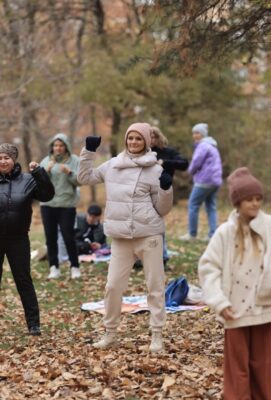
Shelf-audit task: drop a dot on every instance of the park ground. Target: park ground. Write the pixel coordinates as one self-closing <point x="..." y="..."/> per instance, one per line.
<point x="62" y="364"/>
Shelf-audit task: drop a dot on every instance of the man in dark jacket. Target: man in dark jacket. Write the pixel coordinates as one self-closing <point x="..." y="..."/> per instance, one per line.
<point x="89" y="233"/>
<point x="17" y="191"/>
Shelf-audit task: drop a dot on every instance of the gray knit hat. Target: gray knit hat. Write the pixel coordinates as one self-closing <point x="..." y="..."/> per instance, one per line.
<point x="10" y="150"/>
<point x="202" y="128"/>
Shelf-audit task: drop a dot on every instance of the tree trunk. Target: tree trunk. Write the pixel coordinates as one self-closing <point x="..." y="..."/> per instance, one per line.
<point x="116" y="121"/>
<point x="25" y="129"/>
<point x="93" y="191"/>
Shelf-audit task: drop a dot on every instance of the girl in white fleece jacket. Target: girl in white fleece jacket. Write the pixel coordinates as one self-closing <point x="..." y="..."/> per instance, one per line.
<point x="235" y="274"/>
<point x="138" y="195"/>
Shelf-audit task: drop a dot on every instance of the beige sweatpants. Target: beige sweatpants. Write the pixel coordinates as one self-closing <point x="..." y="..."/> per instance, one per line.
<point x="123" y="254"/>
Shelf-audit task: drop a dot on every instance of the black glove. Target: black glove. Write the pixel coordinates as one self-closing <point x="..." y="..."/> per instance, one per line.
<point x="169" y="166"/>
<point x="93" y="142"/>
<point x="165" y="180"/>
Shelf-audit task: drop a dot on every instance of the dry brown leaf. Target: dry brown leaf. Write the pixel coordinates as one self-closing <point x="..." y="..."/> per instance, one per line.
<point x="168" y="381"/>
<point x="68" y="375"/>
<point x="108" y="394"/>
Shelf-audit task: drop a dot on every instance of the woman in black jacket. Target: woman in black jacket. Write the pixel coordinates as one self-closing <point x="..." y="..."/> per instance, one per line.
<point x="17" y="191"/>
<point x="170" y="159"/>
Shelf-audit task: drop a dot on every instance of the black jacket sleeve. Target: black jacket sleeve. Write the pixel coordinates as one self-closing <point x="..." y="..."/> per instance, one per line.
<point x="180" y="162"/>
<point x="44" y="189"/>
<point x="99" y="235"/>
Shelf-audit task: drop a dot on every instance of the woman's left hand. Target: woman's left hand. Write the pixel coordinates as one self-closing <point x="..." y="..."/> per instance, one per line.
<point x="65" y="169"/>
<point x="33" y="165"/>
<point x="165" y="180"/>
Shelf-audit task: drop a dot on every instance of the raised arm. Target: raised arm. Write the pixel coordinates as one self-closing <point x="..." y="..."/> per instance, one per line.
<point x="87" y="174"/>
<point x="44" y="189"/>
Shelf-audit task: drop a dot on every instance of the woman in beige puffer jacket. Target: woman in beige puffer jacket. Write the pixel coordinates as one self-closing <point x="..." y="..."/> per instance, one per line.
<point x="138" y="195"/>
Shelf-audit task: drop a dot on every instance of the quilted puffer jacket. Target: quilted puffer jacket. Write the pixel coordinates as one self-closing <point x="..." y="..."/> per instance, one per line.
<point x="17" y="191"/>
<point x="135" y="203"/>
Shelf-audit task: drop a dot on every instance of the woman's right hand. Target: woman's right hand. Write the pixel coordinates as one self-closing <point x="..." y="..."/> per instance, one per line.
<point x="50" y="166"/>
<point x="93" y="142"/>
<point x="227" y="314"/>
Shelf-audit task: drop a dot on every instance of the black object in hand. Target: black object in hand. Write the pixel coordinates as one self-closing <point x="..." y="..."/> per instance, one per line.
<point x="93" y="142"/>
<point x="165" y="180"/>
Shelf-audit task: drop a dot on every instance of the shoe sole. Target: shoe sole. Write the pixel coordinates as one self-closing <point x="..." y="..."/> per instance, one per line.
<point x="157" y="352"/>
<point x="110" y="345"/>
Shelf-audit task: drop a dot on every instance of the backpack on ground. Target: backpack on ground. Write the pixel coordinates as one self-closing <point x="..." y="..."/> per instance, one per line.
<point x="176" y="292"/>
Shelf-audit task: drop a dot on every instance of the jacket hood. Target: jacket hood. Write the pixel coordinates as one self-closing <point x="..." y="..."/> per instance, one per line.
<point x="210" y="140"/>
<point x="63" y="138"/>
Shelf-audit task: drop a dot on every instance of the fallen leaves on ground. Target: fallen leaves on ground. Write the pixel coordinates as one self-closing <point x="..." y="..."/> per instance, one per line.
<point x="62" y="363"/>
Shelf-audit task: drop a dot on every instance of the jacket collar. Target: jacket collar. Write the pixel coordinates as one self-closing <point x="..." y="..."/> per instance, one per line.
<point x="257" y="223"/>
<point x="146" y="160"/>
<point x="14" y="173"/>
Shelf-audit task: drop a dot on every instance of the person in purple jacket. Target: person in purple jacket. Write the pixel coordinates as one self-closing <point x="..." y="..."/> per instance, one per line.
<point x="206" y="169"/>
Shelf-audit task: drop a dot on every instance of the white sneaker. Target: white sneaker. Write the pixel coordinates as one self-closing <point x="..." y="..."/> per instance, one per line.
<point x="156" y="342"/>
<point x="109" y="339"/>
<point x="75" y="273"/>
<point x="187" y="237"/>
<point x="54" y="272"/>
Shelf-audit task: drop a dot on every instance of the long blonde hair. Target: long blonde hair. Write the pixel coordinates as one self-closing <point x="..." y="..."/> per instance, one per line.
<point x="240" y="239"/>
<point x="161" y="139"/>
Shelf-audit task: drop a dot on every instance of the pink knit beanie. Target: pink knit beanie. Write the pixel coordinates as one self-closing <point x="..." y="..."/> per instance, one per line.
<point x="242" y="185"/>
<point x="144" y="129"/>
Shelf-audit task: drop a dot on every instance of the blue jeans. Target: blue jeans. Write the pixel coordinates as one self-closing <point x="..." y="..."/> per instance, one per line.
<point x="198" y="196"/>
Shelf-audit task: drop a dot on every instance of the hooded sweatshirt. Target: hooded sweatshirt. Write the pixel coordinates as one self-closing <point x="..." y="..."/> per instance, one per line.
<point x="65" y="185"/>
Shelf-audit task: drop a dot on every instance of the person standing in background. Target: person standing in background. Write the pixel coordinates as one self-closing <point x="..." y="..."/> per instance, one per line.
<point x="17" y="192"/>
<point x="62" y="167"/>
<point x="171" y="160"/>
<point x="206" y="169"/>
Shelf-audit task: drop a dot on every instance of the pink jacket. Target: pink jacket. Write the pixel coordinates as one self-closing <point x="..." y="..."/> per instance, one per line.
<point x="135" y="203"/>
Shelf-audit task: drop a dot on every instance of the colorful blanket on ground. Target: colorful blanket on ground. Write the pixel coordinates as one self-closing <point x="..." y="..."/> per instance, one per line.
<point x="104" y="255"/>
<point x="94" y="258"/>
<point x="135" y="304"/>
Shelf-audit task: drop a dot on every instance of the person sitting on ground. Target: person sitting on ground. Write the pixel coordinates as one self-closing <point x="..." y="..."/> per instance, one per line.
<point x="89" y="233"/>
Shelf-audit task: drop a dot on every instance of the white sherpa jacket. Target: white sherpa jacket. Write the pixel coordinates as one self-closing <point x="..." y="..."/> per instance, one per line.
<point x="135" y="203"/>
<point x="216" y="262"/>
